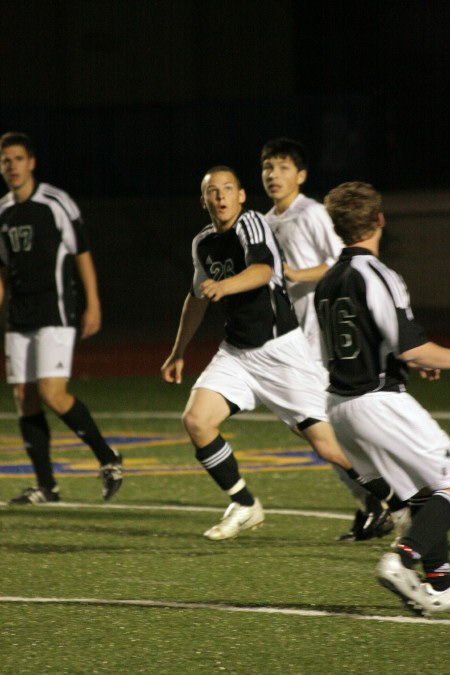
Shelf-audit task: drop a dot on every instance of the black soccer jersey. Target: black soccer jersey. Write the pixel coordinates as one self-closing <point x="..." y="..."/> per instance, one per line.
<point x="366" y="322"/>
<point x="256" y="316"/>
<point x="40" y="237"/>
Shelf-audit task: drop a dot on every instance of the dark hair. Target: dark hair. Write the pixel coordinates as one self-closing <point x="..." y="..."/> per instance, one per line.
<point x="17" y="138"/>
<point x="285" y="147"/>
<point x="354" y="209"/>
<point x="222" y="167"/>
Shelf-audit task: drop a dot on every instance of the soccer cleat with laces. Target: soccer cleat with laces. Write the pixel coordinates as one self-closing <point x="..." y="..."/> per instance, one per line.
<point x="36" y="495"/>
<point x="112" y="477"/>
<point x="376" y="521"/>
<point x="235" y="519"/>
<point x="404" y="582"/>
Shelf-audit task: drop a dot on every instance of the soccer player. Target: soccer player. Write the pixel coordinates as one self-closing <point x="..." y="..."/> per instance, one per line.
<point x="371" y="338"/>
<point x="42" y="239"/>
<point x="264" y="359"/>
<point x="310" y="246"/>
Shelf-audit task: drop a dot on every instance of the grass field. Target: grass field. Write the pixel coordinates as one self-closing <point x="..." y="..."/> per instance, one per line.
<point x="133" y="587"/>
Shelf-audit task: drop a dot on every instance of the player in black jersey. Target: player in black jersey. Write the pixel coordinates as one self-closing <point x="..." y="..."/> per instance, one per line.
<point x="43" y="243"/>
<point x="371" y="338"/>
<point x="264" y="359"/>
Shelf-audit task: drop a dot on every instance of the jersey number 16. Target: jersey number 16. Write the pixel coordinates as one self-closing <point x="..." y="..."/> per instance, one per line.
<point x="338" y="328"/>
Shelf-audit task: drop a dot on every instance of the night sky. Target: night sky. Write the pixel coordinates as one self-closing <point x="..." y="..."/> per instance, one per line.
<point x="139" y="97"/>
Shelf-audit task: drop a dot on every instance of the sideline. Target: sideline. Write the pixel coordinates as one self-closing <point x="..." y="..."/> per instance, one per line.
<point x="226" y="608"/>
<point x="173" y="415"/>
<point x="174" y="507"/>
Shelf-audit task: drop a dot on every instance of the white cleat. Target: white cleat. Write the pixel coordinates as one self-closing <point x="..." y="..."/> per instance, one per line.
<point x="393" y="575"/>
<point x="235" y="519"/>
<point x="434" y="601"/>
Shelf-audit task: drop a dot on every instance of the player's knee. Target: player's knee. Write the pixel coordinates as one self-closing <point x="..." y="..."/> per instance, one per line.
<point x="193" y="421"/>
<point x="55" y="397"/>
<point x="27" y="399"/>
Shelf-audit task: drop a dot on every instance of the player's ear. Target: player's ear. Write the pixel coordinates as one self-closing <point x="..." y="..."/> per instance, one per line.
<point x="242" y="196"/>
<point x="32" y="163"/>
<point x="202" y="202"/>
<point x="301" y="177"/>
<point x="381" y="221"/>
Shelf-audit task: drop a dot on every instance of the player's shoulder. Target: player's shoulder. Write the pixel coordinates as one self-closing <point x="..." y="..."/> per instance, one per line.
<point x="252" y="227"/>
<point x="206" y="231"/>
<point x="6" y="201"/>
<point x="50" y="194"/>
<point x="371" y="267"/>
<point x="250" y="218"/>
<point x="310" y="206"/>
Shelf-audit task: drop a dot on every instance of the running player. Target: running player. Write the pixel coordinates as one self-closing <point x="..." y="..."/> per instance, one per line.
<point x="310" y="246"/>
<point x="42" y="236"/>
<point x="371" y="338"/>
<point x="264" y="358"/>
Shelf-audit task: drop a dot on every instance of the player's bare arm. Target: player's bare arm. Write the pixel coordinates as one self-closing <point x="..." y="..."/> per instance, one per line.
<point x="92" y="318"/>
<point x="3" y="274"/>
<point x="306" y="274"/>
<point x="191" y="318"/>
<point x="252" y="277"/>
<point x="427" y="357"/>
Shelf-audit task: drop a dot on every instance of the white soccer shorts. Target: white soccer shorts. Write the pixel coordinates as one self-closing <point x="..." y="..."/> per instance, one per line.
<point x="390" y="434"/>
<point x="46" y="352"/>
<point x="281" y="375"/>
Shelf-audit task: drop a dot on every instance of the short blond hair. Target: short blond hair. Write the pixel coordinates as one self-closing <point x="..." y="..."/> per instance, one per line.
<point x="354" y="208"/>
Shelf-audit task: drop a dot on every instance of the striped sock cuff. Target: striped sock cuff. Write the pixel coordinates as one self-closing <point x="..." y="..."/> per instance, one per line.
<point x="217" y="458"/>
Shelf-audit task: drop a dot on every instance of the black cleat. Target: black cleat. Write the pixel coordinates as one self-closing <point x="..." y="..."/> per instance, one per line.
<point x="36" y="495"/>
<point x="375" y="522"/>
<point x="112" y="477"/>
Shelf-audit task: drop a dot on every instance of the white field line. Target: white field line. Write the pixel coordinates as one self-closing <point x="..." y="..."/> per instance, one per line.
<point x="186" y="509"/>
<point x="174" y="415"/>
<point x="224" y="608"/>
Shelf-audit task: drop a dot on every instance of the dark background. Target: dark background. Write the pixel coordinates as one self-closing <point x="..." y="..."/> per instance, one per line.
<point x="130" y="101"/>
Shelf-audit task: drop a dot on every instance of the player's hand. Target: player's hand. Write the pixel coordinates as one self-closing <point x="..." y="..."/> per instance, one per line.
<point x="433" y="374"/>
<point x="213" y="290"/>
<point x="172" y="369"/>
<point x="91" y="322"/>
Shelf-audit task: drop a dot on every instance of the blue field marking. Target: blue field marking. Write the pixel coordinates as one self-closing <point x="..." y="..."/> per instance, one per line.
<point x="65" y="464"/>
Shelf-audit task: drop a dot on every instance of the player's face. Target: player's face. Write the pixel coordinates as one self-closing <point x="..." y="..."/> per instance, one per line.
<point x="16" y="167"/>
<point x="223" y="198"/>
<point x="282" y="180"/>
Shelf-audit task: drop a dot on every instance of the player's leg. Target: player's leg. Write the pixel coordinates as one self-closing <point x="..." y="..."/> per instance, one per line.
<point x="21" y="373"/>
<point x="289" y="383"/>
<point x="219" y="392"/>
<point x="406" y="444"/>
<point x="54" y="364"/>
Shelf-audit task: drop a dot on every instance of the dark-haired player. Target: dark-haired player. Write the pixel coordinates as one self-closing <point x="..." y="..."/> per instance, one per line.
<point x="44" y="244"/>
<point x="310" y="246"/>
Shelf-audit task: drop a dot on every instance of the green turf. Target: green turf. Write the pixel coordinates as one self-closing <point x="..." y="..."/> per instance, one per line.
<point x="293" y="562"/>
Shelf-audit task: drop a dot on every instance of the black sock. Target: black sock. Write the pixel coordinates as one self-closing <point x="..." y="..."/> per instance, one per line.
<point x="218" y="459"/>
<point x="436" y="565"/>
<point x="416" y="503"/>
<point x="381" y="490"/>
<point x="429" y="526"/>
<point x="79" y="419"/>
<point x="36" y="436"/>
